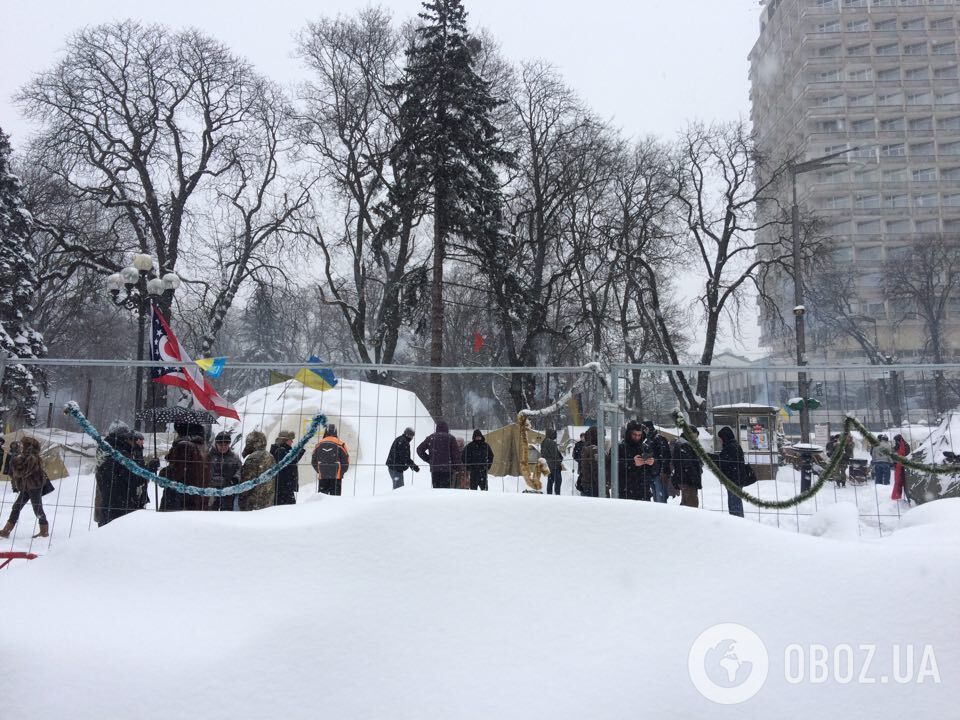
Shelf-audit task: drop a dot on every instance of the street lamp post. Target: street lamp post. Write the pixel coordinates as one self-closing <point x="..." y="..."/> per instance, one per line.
<point x="140" y="286"/>
<point x="799" y="310"/>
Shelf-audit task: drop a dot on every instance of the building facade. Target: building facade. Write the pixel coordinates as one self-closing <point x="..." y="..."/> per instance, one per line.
<point x="880" y="76"/>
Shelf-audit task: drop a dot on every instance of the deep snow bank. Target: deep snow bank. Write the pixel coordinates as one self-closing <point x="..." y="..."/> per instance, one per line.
<point x="453" y="604"/>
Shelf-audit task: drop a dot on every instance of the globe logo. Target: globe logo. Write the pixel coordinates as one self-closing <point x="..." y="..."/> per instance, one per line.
<point x="728" y="663"/>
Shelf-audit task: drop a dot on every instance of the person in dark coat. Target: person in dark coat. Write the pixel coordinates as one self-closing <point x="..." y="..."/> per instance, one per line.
<point x="478" y="459"/>
<point x="577" y="450"/>
<point x="588" y="481"/>
<point x="550" y="452"/>
<point x="28" y="478"/>
<point x="730" y="462"/>
<point x="288" y="479"/>
<point x="187" y="463"/>
<point x="398" y="459"/>
<point x="633" y="457"/>
<point x="686" y="470"/>
<point x="121" y="491"/>
<point x="225" y="467"/>
<point x="657" y="472"/>
<point x="440" y="451"/>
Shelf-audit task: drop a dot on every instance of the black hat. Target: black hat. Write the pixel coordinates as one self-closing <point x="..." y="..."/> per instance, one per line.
<point x="222" y="437"/>
<point x="648" y="424"/>
<point x="331" y="430"/>
<point x="409" y="432"/>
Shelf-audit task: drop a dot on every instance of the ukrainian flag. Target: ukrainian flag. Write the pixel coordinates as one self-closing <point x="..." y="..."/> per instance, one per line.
<point x="213" y="367"/>
<point x="315" y="377"/>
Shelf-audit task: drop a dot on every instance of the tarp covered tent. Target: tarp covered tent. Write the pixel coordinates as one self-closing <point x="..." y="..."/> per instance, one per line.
<point x="50" y="451"/>
<point x="508" y="449"/>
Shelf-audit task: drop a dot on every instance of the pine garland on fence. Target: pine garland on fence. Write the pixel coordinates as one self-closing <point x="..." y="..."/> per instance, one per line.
<point x="833" y="464"/>
<point x="73" y="410"/>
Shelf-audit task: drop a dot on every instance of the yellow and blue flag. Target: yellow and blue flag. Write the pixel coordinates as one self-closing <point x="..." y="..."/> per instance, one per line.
<point x="213" y="367"/>
<point x="318" y="378"/>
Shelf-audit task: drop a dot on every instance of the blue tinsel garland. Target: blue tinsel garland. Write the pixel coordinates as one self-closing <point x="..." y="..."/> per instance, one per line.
<point x="73" y="410"/>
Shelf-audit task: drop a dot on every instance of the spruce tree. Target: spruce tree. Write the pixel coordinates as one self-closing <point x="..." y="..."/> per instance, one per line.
<point x="449" y="147"/>
<point x="20" y="390"/>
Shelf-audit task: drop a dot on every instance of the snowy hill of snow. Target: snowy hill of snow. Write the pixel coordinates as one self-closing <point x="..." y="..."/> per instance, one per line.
<point x="452" y="604"/>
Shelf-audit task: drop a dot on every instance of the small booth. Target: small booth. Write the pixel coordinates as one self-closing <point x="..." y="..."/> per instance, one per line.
<point x="756" y="428"/>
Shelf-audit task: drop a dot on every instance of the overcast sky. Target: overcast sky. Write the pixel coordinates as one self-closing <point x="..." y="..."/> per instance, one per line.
<point x="650" y="65"/>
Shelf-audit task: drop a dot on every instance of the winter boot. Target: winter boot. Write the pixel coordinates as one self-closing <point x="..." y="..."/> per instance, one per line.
<point x="7" y="529"/>
<point x="43" y="531"/>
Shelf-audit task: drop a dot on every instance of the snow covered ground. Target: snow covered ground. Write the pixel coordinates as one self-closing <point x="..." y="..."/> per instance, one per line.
<point x="452" y="604"/>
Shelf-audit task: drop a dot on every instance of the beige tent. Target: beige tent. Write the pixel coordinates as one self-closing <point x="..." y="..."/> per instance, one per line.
<point x="508" y="450"/>
<point x="51" y="452"/>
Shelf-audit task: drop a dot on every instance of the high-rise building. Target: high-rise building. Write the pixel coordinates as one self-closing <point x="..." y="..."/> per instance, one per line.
<point x="880" y="76"/>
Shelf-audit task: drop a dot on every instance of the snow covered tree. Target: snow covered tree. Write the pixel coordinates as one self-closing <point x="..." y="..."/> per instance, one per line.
<point x="20" y="389"/>
<point x="449" y="145"/>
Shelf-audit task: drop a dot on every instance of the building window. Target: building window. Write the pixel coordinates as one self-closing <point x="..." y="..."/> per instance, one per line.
<point x="862" y="74"/>
<point x="921" y="73"/>
<point x="947" y="48"/>
<point x="842" y="254"/>
<point x="885" y="25"/>
<point x="888" y="74"/>
<point x="831" y="101"/>
<point x="924" y="175"/>
<point x="922" y="98"/>
<point x="926" y="200"/>
<point x="891" y="99"/>
<point x="865" y="125"/>
<point x="870" y="227"/>
<point x="867" y="202"/>
<point x="861" y="100"/>
<point x="915" y="49"/>
<point x="837" y="202"/>
<point x="889" y="49"/>
<point x="949" y="123"/>
<point x="948" y="98"/>
<point x="924" y="123"/>
<point x="898" y="226"/>
<point x="871" y="253"/>
<point x="913" y="24"/>
<point x="942" y="24"/>
<point x="829" y="126"/>
<point x="829" y="51"/>
<point x="952" y="200"/>
<point x="854" y="3"/>
<point x="865" y="175"/>
<point x="930" y="225"/>
<point x="829" y="27"/>
<point x="858" y="26"/>
<point x="950" y="173"/>
<point x="828" y="76"/>
<point x="892" y="124"/>
<point x="896" y="201"/>
<point x="921" y="149"/>
<point x="894" y="150"/>
<point x="858" y="50"/>
<point x="945" y="73"/>
<point x="895" y="175"/>
<point x="949" y="148"/>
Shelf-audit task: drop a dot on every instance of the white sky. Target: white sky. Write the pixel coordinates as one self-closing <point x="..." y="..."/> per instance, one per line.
<point x="650" y="65"/>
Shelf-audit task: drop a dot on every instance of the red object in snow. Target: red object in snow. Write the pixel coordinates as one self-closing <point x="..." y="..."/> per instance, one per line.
<point x="8" y="557"/>
<point x="898" y="472"/>
<point x="477" y="341"/>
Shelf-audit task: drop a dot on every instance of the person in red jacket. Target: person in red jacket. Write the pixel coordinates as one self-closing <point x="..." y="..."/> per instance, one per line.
<point x="440" y="451"/>
<point x="901" y="448"/>
<point x="331" y="460"/>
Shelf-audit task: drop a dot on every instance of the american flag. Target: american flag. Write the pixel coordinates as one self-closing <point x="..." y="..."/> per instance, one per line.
<point x="182" y="372"/>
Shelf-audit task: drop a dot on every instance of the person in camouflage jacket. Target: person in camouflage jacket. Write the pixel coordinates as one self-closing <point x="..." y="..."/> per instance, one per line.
<point x="257" y="461"/>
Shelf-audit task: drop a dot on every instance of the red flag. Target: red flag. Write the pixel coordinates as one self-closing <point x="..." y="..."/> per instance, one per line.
<point x="183" y="373"/>
<point x="477" y="341"/>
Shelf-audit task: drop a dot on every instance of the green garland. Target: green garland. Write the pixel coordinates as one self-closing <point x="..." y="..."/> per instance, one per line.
<point x="833" y="464"/>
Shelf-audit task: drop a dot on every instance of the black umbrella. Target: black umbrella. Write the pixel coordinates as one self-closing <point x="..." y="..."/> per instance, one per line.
<point x="177" y="414"/>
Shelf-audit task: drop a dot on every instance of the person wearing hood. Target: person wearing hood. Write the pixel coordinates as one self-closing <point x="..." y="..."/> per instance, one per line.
<point x="399" y="459"/>
<point x="687" y="470"/>
<point x="256" y="461"/>
<point x="550" y="452"/>
<point x="633" y="456"/>
<point x="730" y="462"/>
<point x="120" y="490"/>
<point x="658" y="472"/>
<point x="902" y="448"/>
<point x="478" y="459"/>
<point x="225" y="466"/>
<point x="439" y="450"/>
<point x="187" y="463"/>
<point x="288" y="479"/>
<point x="28" y="478"/>
<point x="880" y="457"/>
<point x="588" y="481"/>
<point x="331" y="460"/>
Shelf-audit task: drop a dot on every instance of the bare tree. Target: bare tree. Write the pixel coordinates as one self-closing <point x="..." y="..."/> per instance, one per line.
<point x="920" y="284"/>
<point x="151" y="125"/>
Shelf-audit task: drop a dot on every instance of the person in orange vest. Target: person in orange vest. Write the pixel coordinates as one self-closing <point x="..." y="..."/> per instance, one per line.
<point x="331" y="460"/>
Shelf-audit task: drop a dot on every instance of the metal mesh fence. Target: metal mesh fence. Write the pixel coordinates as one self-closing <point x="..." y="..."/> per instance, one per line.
<point x="372" y="406"/>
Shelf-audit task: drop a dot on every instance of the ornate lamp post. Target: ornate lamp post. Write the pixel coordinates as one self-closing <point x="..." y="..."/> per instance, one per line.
<point x="135" y="288"/>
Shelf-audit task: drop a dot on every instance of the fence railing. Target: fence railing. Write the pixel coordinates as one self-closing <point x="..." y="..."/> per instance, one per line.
<point x="373" y="405"/>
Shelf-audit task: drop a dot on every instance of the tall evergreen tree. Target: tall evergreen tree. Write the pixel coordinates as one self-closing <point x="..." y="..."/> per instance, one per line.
<point x="449" y="146"/>
<point x="19" y="391"/>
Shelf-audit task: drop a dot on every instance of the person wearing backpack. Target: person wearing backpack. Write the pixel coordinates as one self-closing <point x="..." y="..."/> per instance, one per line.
<point x="686" y="470"/>
<point x="550" y="452"/>
<point x="331" y="460"/>
<point x="730" y="462"/>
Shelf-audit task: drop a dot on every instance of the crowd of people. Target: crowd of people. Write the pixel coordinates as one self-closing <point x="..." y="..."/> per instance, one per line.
<point x="649" y="467"/>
